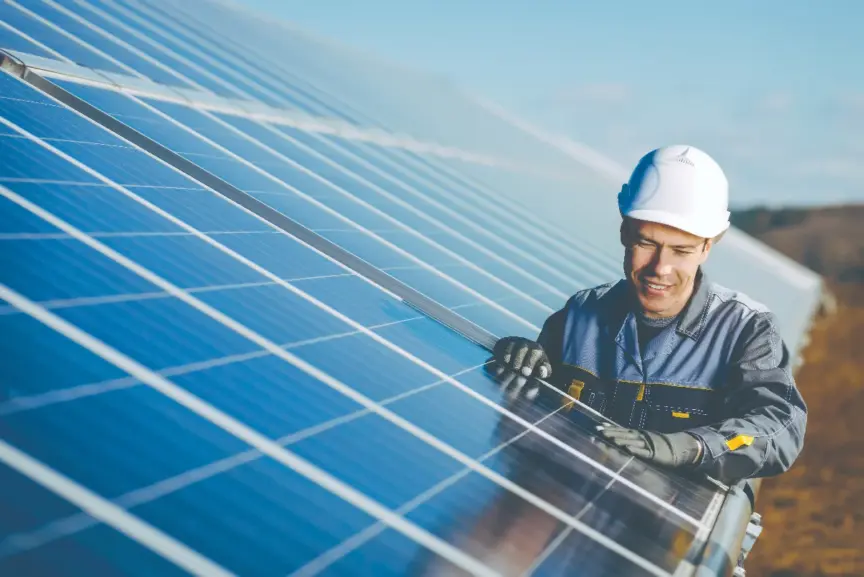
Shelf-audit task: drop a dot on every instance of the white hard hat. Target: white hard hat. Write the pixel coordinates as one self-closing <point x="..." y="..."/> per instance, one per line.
<point x="680" y="186"/>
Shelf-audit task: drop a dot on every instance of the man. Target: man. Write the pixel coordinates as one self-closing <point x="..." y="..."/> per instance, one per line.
<point x="695" y="375"/>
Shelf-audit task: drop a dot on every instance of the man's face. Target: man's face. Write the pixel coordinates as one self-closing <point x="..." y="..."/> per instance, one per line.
<point x="661" y="263"/>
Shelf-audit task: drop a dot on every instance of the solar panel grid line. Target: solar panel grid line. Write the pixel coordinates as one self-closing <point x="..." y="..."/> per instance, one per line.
<point x="314" y="93"/>
<point x="19" y="543"/>
<point x="146" y="56"/>
<point x="232" y="201"/>
<point x="400" y="351"/>
<point x="471" y="392"/>
<point x="250" y="66"/>
<point x="26" y="403"/>
<point x="416" y="193"/>
<point x="263" y="212"/>
<point x="413" y="209"/>
<point x="113" y="42"/>
<point x="97" y="234"/>
<point x="529" y="224"/>
<point x="313" y="371"/>
<point x="74" y="38"/>
<point x="364" y="134"/>
<point x="252" y="110"/>
<point x="486" y="191"/>
<point x="32" y="40"/>
<point x="333" y="212"/>
<point x="599" y="163"/>
<point x="687" y="565"/>
<point x="9" y="179"/>
<point x="327" y="558"/>
<point x="529" y="237"/>
<point x="134" y="19"/>
<point x="712" y="510"/>
<point x="356" y="396"/>
<point x="371" y="207"/>
<point x="566" y="531"/>
<point x="247" y="434"/>
<point x="269" y="223"/>
<point x="124" y="522"/>
<point x="239" y="52"/>
<point x="216" y="64"/>
<point x="48" y="36"/>
<point x="55" y="304"/>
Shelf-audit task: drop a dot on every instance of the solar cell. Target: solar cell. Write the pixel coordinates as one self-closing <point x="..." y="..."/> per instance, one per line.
<point x="223" y="381"/>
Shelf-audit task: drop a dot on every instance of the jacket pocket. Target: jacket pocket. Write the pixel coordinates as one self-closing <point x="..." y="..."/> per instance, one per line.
<point x="584" y="387"/>
<point x="670" y="408"/>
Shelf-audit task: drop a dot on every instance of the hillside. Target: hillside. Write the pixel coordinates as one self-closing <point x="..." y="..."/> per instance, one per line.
<point x="814" y="514"/>
<point x="829" y="240"/>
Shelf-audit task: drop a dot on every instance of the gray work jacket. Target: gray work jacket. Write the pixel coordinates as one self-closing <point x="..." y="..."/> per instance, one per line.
<point x="720" y="372"/>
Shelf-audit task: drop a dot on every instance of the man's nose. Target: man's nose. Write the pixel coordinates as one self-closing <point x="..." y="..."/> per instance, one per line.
<point x="662" y="265"/>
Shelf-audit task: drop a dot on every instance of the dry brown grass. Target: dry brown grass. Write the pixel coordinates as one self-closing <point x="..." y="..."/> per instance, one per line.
<point x="814" y="514"/>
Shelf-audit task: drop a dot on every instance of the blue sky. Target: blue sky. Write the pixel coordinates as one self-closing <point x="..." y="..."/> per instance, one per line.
<point x="774" y="90"/>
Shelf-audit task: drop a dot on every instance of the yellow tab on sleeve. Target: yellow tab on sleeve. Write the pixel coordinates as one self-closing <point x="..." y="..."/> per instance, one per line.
<point x="680" y="415"/>
<point x="739" y="441"/>
<point x="640" y="396"/>
<point x="574" y="391"/>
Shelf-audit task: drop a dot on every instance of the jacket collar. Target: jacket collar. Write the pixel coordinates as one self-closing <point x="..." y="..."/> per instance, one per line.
<point x="691" y="320"/>
<point x="695" y="311"/>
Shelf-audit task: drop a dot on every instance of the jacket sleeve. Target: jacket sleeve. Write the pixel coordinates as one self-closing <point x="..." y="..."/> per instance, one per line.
<point x="761" y="431"/>
<point x="551" y="336"/>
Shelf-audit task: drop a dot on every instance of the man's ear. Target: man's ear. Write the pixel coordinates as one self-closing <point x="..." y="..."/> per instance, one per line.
<point x="706" y="249"/>
<point x="624" y="232"/>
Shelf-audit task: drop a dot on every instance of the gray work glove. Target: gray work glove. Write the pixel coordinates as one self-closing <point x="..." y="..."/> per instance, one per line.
<point x="670" y="450"/>
<point x="522" y="356"/>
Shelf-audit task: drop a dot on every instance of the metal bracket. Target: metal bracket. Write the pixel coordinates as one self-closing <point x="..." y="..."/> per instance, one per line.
<point x="754" y="530"/>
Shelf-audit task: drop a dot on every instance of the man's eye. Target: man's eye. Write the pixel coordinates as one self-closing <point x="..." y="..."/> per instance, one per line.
<point x="683" y="252"/>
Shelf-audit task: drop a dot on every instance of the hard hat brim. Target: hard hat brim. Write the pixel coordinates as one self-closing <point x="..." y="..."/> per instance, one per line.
<point x="702" y="230"/>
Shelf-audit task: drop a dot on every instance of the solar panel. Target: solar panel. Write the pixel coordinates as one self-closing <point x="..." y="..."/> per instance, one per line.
<point x="250" y="320"/>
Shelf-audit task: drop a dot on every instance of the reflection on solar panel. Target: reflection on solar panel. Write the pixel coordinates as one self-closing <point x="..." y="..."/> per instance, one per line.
<point x="248" y="296"/>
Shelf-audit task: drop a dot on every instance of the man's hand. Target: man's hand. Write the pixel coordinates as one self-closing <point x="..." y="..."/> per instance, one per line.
<point x="522" y="356"/>
<point x="669" y="450"/>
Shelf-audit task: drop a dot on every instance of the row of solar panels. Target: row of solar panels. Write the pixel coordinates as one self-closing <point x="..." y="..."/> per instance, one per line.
<point x="208" y="47"/>
<point x="158" y="264"/>
<point x="236" y="284"/>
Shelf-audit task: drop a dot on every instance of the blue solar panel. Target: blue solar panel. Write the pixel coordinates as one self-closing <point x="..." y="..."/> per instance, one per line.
<point x="327" y="225"/>
<point x="120" y="21"/>
<point x="11" y="39"/>
<point x="264" y="403"/>
<point x="46" y="34"/>
<point x="99" y="38"/>
<point x="103" y="304"/>
<point x="97" y="549"/>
